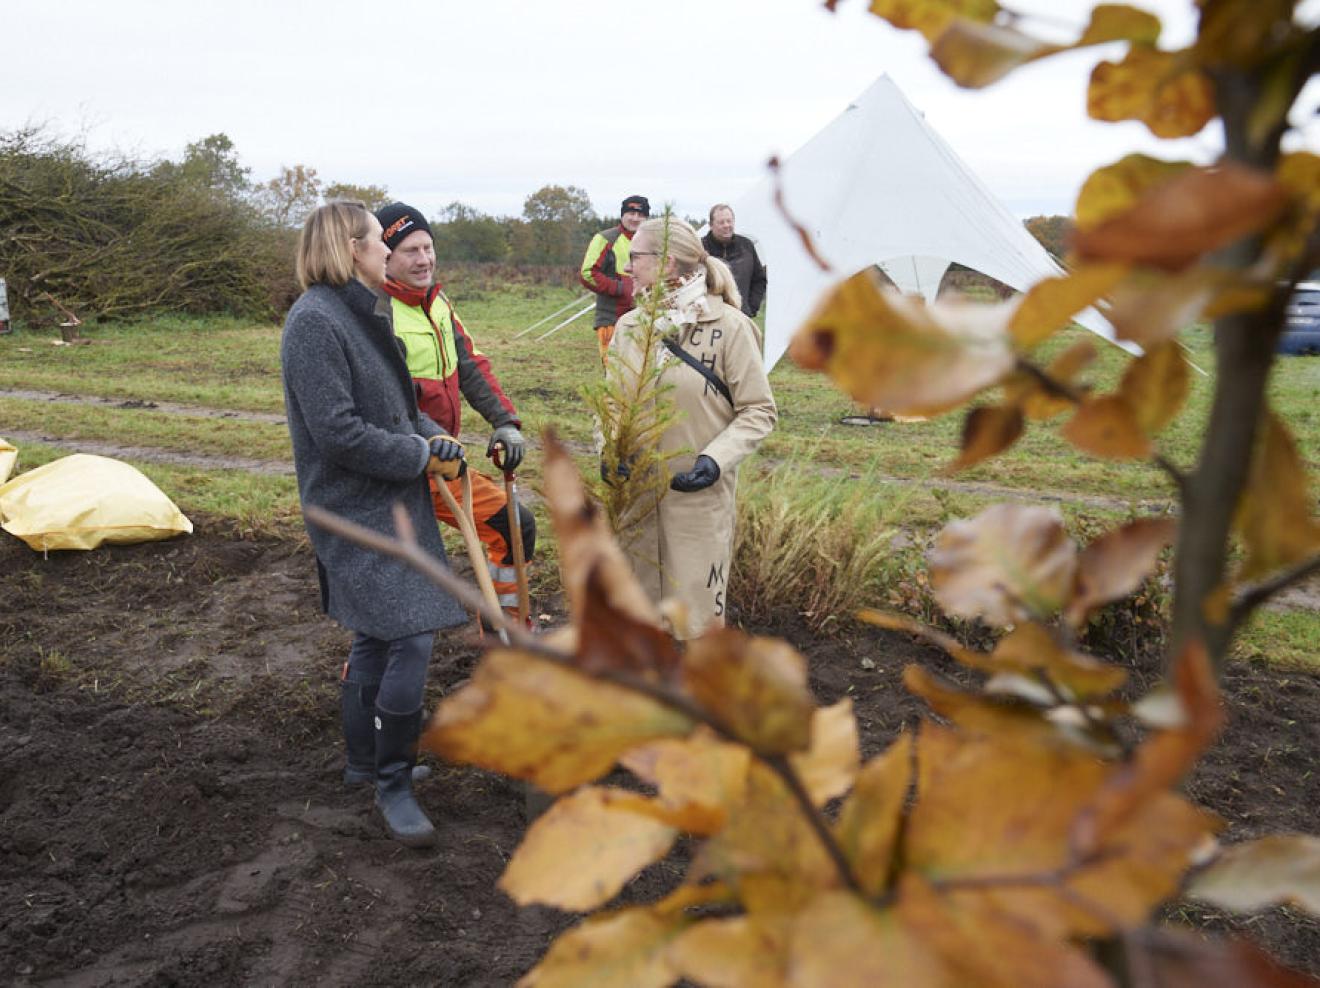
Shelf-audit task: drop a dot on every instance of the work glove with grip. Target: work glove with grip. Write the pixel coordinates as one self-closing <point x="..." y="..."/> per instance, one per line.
<point x="514" y="446"/>
<point x="703" y="473"/>
<point x="446" y="456"/>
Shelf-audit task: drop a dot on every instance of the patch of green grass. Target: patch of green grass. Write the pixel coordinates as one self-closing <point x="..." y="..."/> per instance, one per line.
<point x="1286" y="638"/>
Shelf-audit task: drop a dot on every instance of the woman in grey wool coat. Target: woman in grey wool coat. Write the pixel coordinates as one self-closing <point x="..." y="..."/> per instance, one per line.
<point x="360" y="446"/>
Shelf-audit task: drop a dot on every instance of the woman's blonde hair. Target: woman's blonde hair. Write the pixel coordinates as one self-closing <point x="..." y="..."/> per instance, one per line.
<point x="686" y="249"/>
<point x="325" y="256"/>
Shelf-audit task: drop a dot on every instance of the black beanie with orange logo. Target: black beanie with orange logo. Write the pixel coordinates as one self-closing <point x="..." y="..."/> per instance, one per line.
<point x="397" y="221"/>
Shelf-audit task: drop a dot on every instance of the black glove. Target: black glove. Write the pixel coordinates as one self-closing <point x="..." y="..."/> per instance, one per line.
<point x="446" y="457"/>
<point x="623" y="471"/>
<point x="511" y="440"/>
<point x="703" y="473"/>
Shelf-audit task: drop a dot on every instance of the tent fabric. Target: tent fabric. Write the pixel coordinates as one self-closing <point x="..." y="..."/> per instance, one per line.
<point x="82" y="501"/>
<point x="8" y="458"/>
<point x="878" y="186"/>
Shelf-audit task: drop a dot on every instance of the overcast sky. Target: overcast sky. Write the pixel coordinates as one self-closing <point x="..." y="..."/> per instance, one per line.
<point x="484" y="101"/>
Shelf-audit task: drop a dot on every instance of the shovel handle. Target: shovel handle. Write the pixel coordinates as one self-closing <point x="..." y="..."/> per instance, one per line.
<point x="468" y="528"/>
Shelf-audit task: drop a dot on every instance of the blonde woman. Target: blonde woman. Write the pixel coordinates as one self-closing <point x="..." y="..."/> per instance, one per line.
<point x="713" y="372"/>
<point x="360" y="446"/>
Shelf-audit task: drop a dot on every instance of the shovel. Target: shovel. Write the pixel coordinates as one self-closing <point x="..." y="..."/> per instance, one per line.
<point x="515" y="536"/>
<point x="467" y="525"/>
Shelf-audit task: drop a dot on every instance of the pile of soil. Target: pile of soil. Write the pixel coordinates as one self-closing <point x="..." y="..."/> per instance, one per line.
<point x="171" y="811"/>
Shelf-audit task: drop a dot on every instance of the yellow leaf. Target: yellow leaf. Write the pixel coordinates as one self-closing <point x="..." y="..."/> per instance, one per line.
<point x="1299" y="174"/>
<point x="1152" y="307"/>
<point x="975" y="55"/>
<point x="829" y="766"/>
<point x="755" y="687"/>
<point x="840" y="941"/>
<point x="1193" y="213"/>
<point x="1107" y="427"/>
<point x="1010" y="562"/>
<point x="1282" y="870"/>
<point x="1119" y="22"/>
<point x="1113" y="190"/>
<point x="982" y="714"/>
<point x="625" y="948"/>
<point x="893" y="352"/>
<point x="586" y="544"/>
<point x="699" y="777"/>
<point x="1032" y="648"/>
<point x="1115" y="564"/>
<point x="1155" y="386"/>
<point x="867" y="830"/>
<point x="731" y="953"/>
<point x="1164" y="90"/>
<point x="532" y="719"/>
<point x="1050" y="304"/>
<point x="1274" y="517"/>
<point x="987" y="430"/>
<point x="584" y="849"/>
<point x="931" y="17"/>
<point x="1039" y="402"/>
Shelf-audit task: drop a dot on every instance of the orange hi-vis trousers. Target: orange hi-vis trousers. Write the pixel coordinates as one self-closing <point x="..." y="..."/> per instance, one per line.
<point x="490" y="509"/>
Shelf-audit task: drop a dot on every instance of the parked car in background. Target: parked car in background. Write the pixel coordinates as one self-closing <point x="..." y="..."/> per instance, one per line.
<point x="1301" y="324"/>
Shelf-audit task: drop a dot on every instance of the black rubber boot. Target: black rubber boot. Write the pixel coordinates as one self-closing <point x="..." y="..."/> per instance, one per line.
<point x="357" y="707"/>
<point x="396" y="751"/>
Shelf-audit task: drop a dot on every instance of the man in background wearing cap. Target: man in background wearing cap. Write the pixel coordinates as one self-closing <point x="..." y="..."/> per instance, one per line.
<point x="604" y="264"/>
<point x="444" y="361"/>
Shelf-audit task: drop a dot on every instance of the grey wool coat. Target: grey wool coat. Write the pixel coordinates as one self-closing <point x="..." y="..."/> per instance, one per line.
<point x="359" y="447"/>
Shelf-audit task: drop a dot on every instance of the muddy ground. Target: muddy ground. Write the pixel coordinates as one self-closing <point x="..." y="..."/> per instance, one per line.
<point x="171" y="811"/>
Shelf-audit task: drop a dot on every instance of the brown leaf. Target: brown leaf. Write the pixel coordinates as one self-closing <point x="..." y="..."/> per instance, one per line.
<point x="975" y="55"/>
<point x="740" y="950"/>
<point x="1119" y="22"/>
<point x="869" y="821"/>
<point x="1242" y="33"/>
<point x="1031" y="648"/>
<point x="1008" y="563"/>
<point x="1191" y="214"/>
<point x="893" y="352"/>
<point x="586" y="544"/>
<point x="932" y="17"/>
<point x="1155" y="386"/>
<point x="612" y="640"/>
<point x="529" y="718"/>
<point x="629" y="947"/>
<point x="1299" y="173"/>
<point x="987" y="430"/>
<point x="829" y="767"/>
<point x="1115" y="564"/>
<point x="1039" y="402"/>
<point x="881" y="951"/>
<point x="1164" y="90"/>
<point x="980" y="714"/>
<point x="901" y="622"/>
<point x="755" y="687"/>
<point x="1151" y="308"/>
<point x="1273" y="871"/>
<point x="1274" y="517"/>
<point x="1114" y="189"/>
<point x="1179" y="959"/>
<point x="698" y="777"/>
<point x="1051" y="303"/>
<point x="584" y="849"/>
<point x="1107" y="427"/>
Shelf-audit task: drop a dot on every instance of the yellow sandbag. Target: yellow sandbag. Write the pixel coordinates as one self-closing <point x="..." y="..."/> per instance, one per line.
<point x="8" y="457"/>
<point x="80" y="501"/>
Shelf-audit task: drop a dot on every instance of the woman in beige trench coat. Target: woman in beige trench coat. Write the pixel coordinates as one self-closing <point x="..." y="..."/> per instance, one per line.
<point x="683" y="551"/>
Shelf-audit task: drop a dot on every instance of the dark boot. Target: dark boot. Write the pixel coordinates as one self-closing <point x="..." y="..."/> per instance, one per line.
<point x="396" y="751"/>
<point x="357" y="707"/>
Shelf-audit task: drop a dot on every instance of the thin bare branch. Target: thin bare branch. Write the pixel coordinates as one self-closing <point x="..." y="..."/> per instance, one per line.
<point x="1254" y="596"/>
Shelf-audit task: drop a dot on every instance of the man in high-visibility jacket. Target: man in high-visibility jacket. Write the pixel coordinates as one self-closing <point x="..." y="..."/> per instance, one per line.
<point x="604" y="264"/>
<point x="444" y="362"/>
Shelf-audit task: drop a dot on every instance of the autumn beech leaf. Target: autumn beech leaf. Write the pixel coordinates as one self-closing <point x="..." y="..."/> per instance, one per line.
<point x="1186" y="959"/>
<point x="869" y="821"/>
<point x="1193" y="213"/>
<point x="975" y="55"/>
<point x="987" y="431"/>
<point x="1274" y="517"/>
<point x="1009" y="563"/>
<point x="737" y="951"/>
<point x="1107" y="427"/>
<point x="584" y="848"/>
<point x="1114" y="189"/>
<point x="1155" y="386"/>
<point x="612" y="640"/>
<point x="1281" y="870"/>
<point x="628" y="947"/>
<point x="893" y="352"/>
<point x="1114" y="565"/>
<point x="698" y="777"/>
<point x="586" y="544"/>
<point x="979" y="714"/>
<point x="841" y="941"/>
<point x="1032" y="648"/>
<point x="1120" y="22"/>
<point x="533" y="719"/>
<point x="1050" y="304"/>
<point x="1299" y="173"/>
<point x="1153" y="307"/>
<point x="932" y="17"/>
<point x="1039" y="402"/>
<point x="1241" y="33"/>
<point x="755" y="687"/>
<point x="829" y="767"/>
<point x="1164" y="90"/>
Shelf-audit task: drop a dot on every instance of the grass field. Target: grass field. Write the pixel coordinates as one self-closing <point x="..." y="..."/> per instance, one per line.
<point x="223" y="364"/>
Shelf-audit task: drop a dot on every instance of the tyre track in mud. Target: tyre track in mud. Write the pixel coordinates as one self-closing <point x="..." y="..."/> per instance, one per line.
<point x="285" y="467"/>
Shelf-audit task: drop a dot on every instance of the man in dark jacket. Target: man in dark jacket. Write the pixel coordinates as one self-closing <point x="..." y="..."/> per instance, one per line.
<point x="603" y="268"/>
<point x="739" y="254"/>
<point x="447" y="368"/>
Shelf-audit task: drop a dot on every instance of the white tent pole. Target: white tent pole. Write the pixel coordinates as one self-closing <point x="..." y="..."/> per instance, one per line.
<point x="541" y="322"/>
<point x="573" y="318"/>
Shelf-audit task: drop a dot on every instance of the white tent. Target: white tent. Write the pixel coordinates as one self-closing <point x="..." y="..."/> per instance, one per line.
<point x="879" y="186"/>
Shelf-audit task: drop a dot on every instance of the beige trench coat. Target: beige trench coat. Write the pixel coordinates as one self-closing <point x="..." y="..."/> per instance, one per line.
<point x="684" y="550"/>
